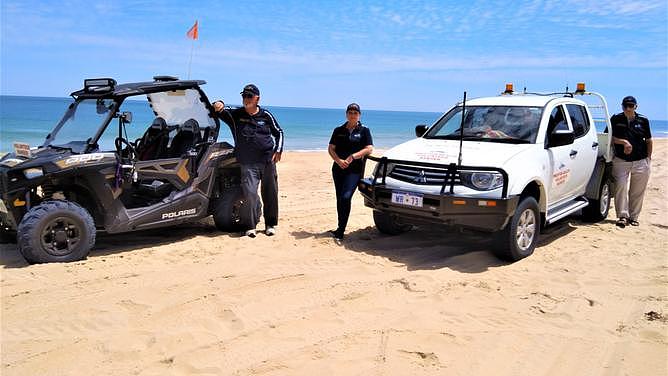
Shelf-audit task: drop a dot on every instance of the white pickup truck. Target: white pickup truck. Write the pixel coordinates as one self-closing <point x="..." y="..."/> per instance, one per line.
<point x="508" y="164"/>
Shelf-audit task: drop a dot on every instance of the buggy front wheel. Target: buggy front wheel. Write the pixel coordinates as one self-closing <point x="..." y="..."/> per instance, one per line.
<point x="56" y="231"/>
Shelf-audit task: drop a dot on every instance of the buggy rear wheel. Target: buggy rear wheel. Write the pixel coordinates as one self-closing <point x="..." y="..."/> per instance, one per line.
<point x="232" y="211"/>
<point x="56" y="231"/>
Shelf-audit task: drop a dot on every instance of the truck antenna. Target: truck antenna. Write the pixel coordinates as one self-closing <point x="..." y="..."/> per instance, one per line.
<point x="461" y="131"/>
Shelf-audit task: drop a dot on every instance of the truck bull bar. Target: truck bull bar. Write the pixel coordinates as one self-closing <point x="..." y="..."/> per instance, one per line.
<point x="451" y="176"/>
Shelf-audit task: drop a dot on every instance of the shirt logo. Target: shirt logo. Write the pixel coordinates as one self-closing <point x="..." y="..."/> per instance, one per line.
<point x="260" y="122"/>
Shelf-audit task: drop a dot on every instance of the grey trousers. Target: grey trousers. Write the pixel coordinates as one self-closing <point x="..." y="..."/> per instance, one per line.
<point x="630" y="183"/>
<point x="252" y="174"/>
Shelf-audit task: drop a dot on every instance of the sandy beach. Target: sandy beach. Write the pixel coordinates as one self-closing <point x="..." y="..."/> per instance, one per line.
<point x="592" y="299"/>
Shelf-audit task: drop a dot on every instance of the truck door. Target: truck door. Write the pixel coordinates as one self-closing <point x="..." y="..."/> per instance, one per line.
<point x="585" y="147"/>
<point x="559" y="157"/>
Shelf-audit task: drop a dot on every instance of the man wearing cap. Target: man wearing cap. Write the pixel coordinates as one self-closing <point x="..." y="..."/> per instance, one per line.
<point x="258" y="146"/>
<point x="631" y="166"/>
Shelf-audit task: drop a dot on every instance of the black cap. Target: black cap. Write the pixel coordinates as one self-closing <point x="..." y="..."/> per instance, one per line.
<point x="629" y="99"/>
<point x="353" y="107"/>
<point x="250" y="89"/>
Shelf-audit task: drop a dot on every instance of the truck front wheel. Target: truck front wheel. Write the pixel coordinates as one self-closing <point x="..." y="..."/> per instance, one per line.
<point x="518" y="239"/>
<point x="388" y="224"/>
<point x="56" y="231"/>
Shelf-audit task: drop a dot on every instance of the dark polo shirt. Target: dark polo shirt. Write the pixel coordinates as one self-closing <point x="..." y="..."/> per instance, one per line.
<point x="636" y="131"/>
<point x="256" y="137"/>
<point x="348" y="142"/>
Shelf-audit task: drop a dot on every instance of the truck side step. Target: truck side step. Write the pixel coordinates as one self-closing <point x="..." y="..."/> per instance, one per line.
<point x="566" y="209"/>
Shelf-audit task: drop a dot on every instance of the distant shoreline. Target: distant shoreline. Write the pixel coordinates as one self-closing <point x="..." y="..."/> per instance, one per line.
<point x="239" y="105"/>
<point x="285" y="107"/>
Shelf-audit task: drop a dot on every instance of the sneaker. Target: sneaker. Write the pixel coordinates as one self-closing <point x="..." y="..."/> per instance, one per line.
<point x="251" y="233"/>
<point x="633" y="222"/>
<point x="338" y="235"/>
<point x="621" y="222"/>
<point x="270" y="231"/>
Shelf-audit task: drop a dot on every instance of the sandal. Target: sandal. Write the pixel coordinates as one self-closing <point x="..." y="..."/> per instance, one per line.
<point x="621" y="222"/>
<point x="634" y="222"/>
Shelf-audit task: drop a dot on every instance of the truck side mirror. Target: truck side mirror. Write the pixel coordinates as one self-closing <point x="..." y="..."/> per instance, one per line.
<point x="561" y="138"/>
<point x="420" y="130"/>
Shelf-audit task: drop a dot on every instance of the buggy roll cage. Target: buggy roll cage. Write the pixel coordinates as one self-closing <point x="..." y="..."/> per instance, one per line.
<point x="107" y="88"/>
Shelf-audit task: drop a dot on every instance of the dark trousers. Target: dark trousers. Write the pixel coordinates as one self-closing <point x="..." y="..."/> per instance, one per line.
<point x="251" y="176"/>
<point x="345" y="184"/>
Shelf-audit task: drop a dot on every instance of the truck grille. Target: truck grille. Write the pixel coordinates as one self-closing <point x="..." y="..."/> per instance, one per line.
<point x="424" y="176"/>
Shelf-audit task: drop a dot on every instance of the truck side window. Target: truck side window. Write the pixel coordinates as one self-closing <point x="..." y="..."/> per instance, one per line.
<point x="579" y="119"/>
<point x="557" y="120"/>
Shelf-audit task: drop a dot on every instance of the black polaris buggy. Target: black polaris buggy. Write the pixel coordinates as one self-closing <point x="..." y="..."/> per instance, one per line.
<point x="90" y="175"/>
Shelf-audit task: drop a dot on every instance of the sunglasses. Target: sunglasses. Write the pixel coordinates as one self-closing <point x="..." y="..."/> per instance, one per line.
<point x="628" y="105"/>
<point x="247" y="95"/>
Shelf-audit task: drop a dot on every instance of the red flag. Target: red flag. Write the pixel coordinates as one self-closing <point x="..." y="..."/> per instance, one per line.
<point x="192" y="33"/>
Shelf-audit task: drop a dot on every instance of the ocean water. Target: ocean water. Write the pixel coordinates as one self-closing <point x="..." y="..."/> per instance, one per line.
<point x="30" y="119"/>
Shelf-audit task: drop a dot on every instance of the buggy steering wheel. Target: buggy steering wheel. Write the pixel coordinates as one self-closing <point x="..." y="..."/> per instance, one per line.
<point x="132" y="152"/>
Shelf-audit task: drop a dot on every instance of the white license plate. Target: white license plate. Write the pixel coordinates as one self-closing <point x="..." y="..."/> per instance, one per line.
<point x="407" y="198"/>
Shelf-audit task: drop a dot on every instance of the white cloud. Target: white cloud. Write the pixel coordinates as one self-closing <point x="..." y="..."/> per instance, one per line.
<point x="617" y="7"/>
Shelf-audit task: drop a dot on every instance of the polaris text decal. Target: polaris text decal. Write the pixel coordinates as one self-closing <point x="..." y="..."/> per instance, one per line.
<point x="179" y="213"/>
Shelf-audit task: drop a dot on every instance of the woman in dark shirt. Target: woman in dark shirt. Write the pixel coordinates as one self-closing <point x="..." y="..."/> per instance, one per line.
<point x="350" y="144"/>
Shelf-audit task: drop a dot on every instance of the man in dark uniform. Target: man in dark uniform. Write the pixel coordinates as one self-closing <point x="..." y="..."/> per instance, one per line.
<point x="631" y="166"/>
<point x="258" y="146"/>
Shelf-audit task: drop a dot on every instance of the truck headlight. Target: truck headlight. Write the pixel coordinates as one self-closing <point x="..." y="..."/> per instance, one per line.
<point x="378" y="172"/>
<point x="31" y="173"/>
<point x="482" y="181"/>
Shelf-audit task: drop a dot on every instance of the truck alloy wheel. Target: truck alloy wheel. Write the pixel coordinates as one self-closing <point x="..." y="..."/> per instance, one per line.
<point x="604" y="199"/>
<point x="598" y="209"/>
<point x="518" y="239"/>
<point x="526" y="229"/>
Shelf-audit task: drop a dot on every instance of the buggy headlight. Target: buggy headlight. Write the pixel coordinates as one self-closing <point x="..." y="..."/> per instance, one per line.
<point x="482" y="181"/>
<point x="31" y="173"/>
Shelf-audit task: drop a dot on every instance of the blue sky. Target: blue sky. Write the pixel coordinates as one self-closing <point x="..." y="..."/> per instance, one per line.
<point x="390" y="55"/>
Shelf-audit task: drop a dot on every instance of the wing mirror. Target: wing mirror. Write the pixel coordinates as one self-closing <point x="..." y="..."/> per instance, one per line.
<point x="420" y="130"/>
<point x="126" y="117"/>
<point x="561" y="138"/>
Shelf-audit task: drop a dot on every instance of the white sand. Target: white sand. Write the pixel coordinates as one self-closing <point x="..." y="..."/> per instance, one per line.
<point x="190" y="300"/>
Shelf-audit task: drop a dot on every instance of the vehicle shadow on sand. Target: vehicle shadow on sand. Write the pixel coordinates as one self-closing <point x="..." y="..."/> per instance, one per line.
<point x="431" y="247"/>
<point x="113" y="244"/>
<point x="423" y="248"/>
